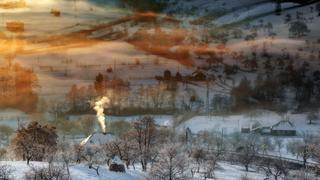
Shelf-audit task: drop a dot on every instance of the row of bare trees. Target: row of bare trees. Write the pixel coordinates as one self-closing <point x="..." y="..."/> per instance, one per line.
<point x="161" y="151"/>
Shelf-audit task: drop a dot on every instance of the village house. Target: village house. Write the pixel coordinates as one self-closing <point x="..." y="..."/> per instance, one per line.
<point x="97" y="138"/>
<point x="282" y="128"/>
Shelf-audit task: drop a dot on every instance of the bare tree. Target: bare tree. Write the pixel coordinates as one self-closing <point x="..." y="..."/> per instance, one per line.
<point x="304" y="149"/>
<point x="50" y="172"/>
<point x="66" y="154"/>
<point x="210" y="164"/>
<point x="144" y="134"/>
<point x="266" y="145"/>
<point x="94" y="157"/>
<point x="171" y="164"/>
<point x="34" y="141"/>
<point x="78" y="152"/>
<point x="247" y="150"/>
<point x="6" y="172"/>
<point x="303" y="175"/>
<point x="199" y="155"/>
<point x="129" y="151"/>
<point x="274" y="167"/>
<point x="124" y="148"/>
<point x="316" y="147"/>
<point x="278" y="142"/>
<point x="312" y="116"/>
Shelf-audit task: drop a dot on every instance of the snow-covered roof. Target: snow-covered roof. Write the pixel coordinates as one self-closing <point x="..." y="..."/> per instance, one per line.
<point x="117" y="160"/>
<point x="98" y="139"/>
<point x="284" y="125"/>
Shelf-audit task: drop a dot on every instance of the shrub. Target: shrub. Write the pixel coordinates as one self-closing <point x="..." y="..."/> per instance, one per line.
<point x="50" y="172"/>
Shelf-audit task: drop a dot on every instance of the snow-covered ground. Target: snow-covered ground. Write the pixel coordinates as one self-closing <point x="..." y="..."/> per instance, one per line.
<point x="78" y="171"/>
<point x="234" y="123"/>
<point x="225" y="171"/>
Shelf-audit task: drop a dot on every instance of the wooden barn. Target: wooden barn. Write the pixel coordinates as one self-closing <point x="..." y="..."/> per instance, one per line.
<point x="283" y="128"/>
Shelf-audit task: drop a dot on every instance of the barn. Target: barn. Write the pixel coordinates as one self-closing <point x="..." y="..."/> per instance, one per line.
<point x="283" y="128"/>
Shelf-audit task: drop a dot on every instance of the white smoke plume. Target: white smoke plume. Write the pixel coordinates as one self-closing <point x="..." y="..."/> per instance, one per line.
<point x="99" y="108"/>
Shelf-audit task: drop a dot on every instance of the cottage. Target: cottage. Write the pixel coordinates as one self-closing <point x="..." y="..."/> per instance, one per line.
<point x="283" y="128"/>
<point x="98" y="139"/>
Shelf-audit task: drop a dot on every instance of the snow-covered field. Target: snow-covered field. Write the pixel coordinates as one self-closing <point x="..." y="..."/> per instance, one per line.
<point x="78" y="172"/>
<point x="225" y="171"/>
<point x="234" y="123"/>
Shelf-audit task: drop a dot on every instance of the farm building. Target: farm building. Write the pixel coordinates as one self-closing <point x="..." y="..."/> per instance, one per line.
<point x="283" y="128"/>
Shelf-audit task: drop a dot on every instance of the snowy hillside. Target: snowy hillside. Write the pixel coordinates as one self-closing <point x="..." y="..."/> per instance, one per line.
<point x="93" y="50"/>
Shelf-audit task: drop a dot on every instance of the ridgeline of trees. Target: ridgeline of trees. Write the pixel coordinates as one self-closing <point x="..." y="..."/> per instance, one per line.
<point x="159" y="98"/>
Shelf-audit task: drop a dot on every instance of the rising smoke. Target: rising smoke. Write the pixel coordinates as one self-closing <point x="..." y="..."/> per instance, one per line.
<point x="99" y="108"/>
